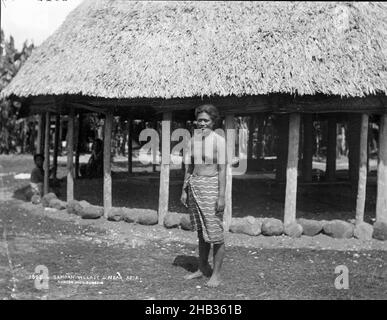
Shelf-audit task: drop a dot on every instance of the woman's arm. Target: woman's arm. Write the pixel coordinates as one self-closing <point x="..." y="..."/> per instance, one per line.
<point x="188" y="172"/>
<point x="184" y="195"/>
<point x="188" y="161"/>
<point x="221" y="157"/>
<point x="222" y="187"/>
<point x="189" y="167"/>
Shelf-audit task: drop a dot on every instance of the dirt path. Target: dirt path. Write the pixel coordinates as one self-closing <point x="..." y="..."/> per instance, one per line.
<point x="127" y="261"/>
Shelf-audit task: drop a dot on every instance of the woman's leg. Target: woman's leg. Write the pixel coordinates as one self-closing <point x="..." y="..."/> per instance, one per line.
<point x="219" y="252"/>
<point x="204" y="266"/>
<point x="204" y="251"/>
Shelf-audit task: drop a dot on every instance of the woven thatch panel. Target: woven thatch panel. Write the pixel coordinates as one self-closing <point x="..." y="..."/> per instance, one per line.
<point x="123" y="49"/>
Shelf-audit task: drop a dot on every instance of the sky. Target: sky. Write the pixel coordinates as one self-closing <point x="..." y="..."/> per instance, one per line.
<point x="33" y="20"/>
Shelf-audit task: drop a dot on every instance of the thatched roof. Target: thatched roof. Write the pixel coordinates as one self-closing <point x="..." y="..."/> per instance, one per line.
<point x="124" y="49"/>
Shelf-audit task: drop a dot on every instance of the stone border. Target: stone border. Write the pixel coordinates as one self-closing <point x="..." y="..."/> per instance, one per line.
<point x="247" y="225"/>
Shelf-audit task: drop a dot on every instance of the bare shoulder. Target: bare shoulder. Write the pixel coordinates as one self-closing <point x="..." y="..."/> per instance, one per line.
<point x="219" y="138"/>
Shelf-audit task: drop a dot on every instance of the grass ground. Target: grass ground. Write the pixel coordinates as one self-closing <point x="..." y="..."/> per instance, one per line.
<point x="140" y="263"/>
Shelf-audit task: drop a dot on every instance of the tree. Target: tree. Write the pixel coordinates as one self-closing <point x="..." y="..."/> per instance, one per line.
<point x="10" y="128"/>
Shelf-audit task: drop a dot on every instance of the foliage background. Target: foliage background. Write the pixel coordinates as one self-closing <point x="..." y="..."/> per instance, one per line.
<point x="16" y="135"/>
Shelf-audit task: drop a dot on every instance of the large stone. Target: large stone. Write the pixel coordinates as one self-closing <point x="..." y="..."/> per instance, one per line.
<point x="36" y="199"/>
<point x="131" y="215"/>
<point x="272" y="227"/>
<point x="236" y="225"/>
<point x="172" y="220"/>
<point x="116" y="214"/>
<point x="380" y="230"/>
<point x="76" y="207"/>
<point x="363" y="231"/>
<point x="73" y="207"/>
<point x="185" y="222"/>
<point x="47" y="198"/>
<point x="293" y="230"/>
<point x="310" y="227"/>
<point x="57" y="204"/>
<point x="247" y="225"/>
<point x="84" y="203"/>
<point x="91" y="212"/>
<point x="141" y="216"/>
<point x="339" y="229"/>
<point x="148" y="217"/>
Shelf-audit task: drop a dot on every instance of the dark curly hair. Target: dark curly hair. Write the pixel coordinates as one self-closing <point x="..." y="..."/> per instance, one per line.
<point x="211" y="110"/>
<point x="38" y="155"/>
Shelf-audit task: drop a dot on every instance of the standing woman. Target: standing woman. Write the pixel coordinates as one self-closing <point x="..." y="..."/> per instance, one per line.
<point x="204" y="191"/>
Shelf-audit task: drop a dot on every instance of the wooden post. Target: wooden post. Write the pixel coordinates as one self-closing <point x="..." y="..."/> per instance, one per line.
<point x="70" y="152"/>
<point x="230" y="144"/>
<point x="130" y="146"/>
<point x="362" y="183"/>
<point x="154" y="126"/>
<point x="182" y="153"/>
<point x="79" y="140"/>
<point x="282" y="147"/>
<point x="107" y="178"/>
<point x="307" y="158"/>
<point x="164" y="167"/>
<point x="292" y="168"/>
<point x="381" y="199"/>
<point x="56" y="145"/>
<point x="331" y="149"/>
<point x="46" y="154"/>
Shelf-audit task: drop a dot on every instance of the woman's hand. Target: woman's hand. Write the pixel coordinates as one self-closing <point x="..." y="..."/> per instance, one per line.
<point x="183" y="198"/>
<point x="220" y="204"/>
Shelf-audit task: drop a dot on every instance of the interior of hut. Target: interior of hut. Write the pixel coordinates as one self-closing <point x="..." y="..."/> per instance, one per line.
<point x="325" y="170"/>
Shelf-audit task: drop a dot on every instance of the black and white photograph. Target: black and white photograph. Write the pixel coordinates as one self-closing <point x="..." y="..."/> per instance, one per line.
<point x="206" y="153"/>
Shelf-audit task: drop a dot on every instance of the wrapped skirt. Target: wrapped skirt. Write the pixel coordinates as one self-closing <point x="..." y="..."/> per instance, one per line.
<point x="203" y="194"/>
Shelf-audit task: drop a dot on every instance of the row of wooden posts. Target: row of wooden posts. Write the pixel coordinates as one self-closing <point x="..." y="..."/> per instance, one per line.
<point x="291" y="164"/>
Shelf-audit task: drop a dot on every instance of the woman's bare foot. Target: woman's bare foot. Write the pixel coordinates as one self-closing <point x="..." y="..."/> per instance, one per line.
<point x="213" y="282"/>
<point x="206" y="272"/>
<point x="195" y="275"/>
